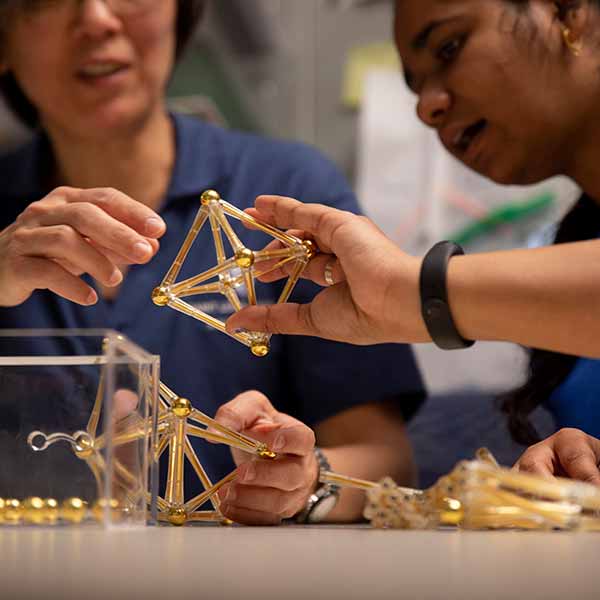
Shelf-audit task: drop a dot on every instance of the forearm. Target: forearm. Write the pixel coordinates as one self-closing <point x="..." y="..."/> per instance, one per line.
<point x="371" y="461"/>
<point x="546" y="298"/>
<point x="367" y="441"/>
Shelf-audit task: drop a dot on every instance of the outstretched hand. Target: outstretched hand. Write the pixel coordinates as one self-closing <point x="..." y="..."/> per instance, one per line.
<point x="568" y="453"/>
<point x="71" y="232"/>
<point x="372" y="294"/>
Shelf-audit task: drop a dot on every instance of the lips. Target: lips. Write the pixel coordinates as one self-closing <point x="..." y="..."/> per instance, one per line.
<point x="100" y="69"/>
<point x="463" y="140"/>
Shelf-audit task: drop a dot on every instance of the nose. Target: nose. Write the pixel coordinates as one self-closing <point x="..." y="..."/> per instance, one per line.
<point x="434" y="104"/>
<point x="96" y="19"/>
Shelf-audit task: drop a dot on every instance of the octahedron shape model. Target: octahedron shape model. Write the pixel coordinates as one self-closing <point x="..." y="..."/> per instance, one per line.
<point x="242" y="268"/>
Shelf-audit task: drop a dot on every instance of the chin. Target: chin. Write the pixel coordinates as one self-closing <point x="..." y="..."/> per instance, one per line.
<point x="118" y="117"/>
<point x="512" y="174"/>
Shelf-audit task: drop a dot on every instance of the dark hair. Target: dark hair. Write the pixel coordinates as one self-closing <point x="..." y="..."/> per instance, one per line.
<point x="548" y="370"/>
<point x="189" y="14"/>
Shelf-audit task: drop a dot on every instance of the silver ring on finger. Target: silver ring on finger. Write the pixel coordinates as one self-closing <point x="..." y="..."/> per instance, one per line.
<point x="328" y="272"/>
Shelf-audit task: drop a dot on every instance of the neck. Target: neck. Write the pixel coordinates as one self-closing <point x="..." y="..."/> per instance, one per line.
<point x="138" y="163"/>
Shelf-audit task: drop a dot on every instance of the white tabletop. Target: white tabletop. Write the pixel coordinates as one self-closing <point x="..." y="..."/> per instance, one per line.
<point x="286" y="563"/>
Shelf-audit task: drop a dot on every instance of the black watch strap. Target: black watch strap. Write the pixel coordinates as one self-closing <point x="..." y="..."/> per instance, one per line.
<point x="434" y="297"/>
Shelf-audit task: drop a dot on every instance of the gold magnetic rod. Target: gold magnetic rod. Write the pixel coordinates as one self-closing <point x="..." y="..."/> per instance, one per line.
<point x="173" y="272"/>
<point x="206" y="275"/>
<point x="218" y="239"/>
<point x="199" y="500"/>
<point x="246" y="218"/>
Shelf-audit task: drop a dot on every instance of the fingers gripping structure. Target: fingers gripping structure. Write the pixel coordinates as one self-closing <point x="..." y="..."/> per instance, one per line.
<point x="480" y="494"/>
<point x="177" y="422"/>
<point x="242" y="268"/>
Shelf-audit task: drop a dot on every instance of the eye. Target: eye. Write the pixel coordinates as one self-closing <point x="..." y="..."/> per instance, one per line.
<point x="448" y="51"/>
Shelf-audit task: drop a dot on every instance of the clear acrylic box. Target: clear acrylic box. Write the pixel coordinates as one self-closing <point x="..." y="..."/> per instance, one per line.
<point x="78" y="412"/>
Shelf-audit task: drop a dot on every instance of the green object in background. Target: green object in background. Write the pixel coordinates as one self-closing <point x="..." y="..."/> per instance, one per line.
<point x="505" y="214"/>
<point x="201" y="73"/>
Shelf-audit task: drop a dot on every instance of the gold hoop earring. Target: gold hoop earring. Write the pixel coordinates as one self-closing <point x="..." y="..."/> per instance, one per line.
<point x="574" y="46"/>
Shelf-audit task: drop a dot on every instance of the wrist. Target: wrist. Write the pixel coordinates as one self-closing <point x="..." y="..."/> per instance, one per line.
<point x="436" y="309"/>
<point x="323" y="497"/>
<point x="404" y="306"/>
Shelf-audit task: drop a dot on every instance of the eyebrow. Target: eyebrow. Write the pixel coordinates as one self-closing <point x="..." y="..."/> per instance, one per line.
<point x="420" y="41"/>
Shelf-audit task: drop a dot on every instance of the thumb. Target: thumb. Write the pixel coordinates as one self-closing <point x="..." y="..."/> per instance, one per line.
<point x="293" y="319"/>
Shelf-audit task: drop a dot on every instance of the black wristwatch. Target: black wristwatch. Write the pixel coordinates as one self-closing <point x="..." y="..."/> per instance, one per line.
<point x="323" y="500"/>
<point x="434" y="297"/>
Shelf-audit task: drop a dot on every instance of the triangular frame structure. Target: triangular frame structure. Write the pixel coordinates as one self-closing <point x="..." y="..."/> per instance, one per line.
<point x="214" y="210"/>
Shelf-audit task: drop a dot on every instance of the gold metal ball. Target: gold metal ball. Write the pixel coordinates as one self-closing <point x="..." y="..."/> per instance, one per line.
<point x="13" y="511"/>
<point x="264" y="452"/>
<point x="51" y="512"/>
<point x="210" y="196"/>
<point x="104" y="505"/>
<point x="84" y="446"/>
<point x="260" y="349"/>
<point x="177" y="516"/>
<point x="244" y="258"/>
<point x="160" y="296"/>
<point x="182" y="408"/>
<point x="73" y="510"/>
<point x="33" y="510"/>
<point x="225" y="522"/>
<point x="311" y="249"/>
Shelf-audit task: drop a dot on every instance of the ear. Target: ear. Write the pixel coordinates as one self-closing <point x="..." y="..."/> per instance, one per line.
<point x="574" y="16"/>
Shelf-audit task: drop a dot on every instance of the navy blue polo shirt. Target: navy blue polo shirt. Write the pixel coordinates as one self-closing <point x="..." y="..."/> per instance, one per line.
<point x="308" y="378"/>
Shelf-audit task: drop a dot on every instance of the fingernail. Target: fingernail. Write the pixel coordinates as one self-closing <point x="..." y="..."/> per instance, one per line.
<point x="141" y="250"/>
<point x="279" y="443"/>
<point x="154" y="226"/>
<point x="115" y="278"/>
<point x="231" y="495"/>
<point x="250" y="474"/>
<point x="92" y="298"/>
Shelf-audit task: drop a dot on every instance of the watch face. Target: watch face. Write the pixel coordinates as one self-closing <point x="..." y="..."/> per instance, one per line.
<point x="322" y="508"/>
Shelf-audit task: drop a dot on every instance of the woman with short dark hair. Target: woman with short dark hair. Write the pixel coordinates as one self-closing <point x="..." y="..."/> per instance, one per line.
<point x="90" y="76"/>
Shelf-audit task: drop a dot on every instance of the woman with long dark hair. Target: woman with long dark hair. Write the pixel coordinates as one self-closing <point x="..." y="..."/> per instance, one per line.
<point x="512" y="88"/>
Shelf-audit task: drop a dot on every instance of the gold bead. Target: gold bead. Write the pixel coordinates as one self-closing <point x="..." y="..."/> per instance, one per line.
<point x="73" y="510"/>
<point x="160" y="296"/>
<point x="13" y="511"/>
<point x="102" y="505"/>
<point x="84" y="445"/>
<point x="177" y="516"/>
<point x="33" y="510"/>
<point x="311" y="248"/>
<point x="182" y="408"/>
<point x="244" y="258"/>
<point x="210" y="196"/>
<point x="264" y="452"/>
<point x="260" y="349"/>
<point x="51" y="512"/>
<point x="225" y="522"/>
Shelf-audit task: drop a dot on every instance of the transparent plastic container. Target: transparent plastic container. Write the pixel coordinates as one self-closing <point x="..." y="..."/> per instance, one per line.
<point x="78" y="412"/>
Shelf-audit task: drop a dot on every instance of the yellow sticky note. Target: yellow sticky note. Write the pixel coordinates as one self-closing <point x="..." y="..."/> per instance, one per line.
<point x="361" y="60"/>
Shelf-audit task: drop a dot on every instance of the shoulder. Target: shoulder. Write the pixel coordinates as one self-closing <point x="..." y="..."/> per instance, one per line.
<point x="19" y="180"/>
<point x="14" y="165"/>
<point x="261" y="164"/>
